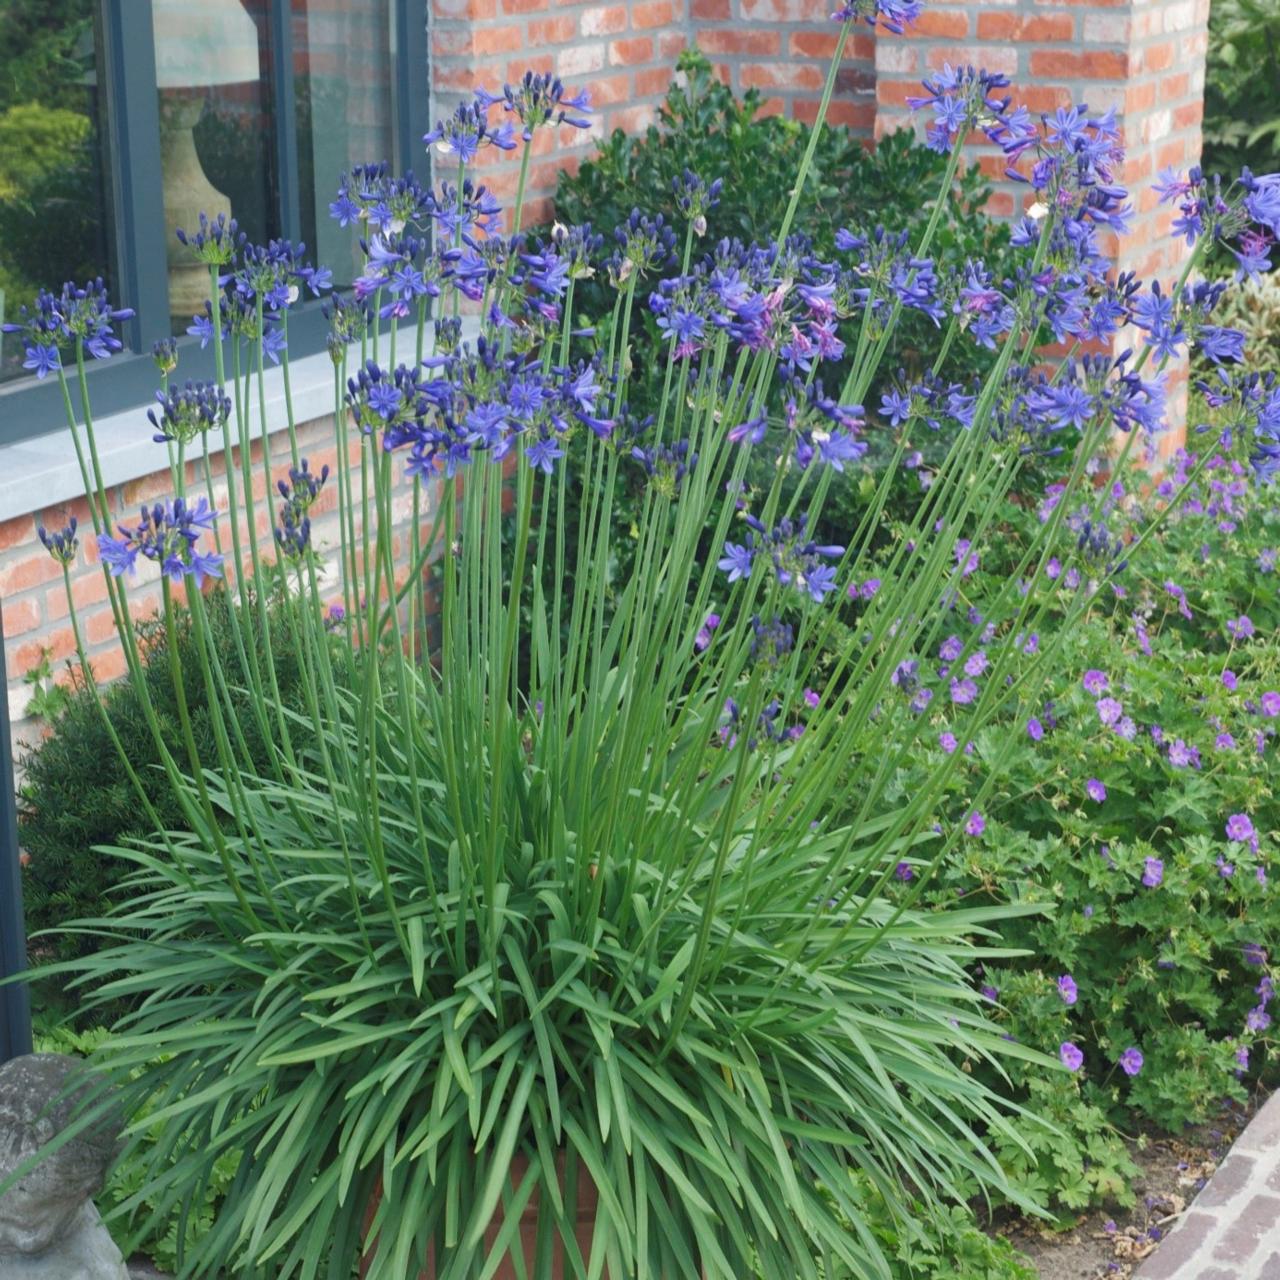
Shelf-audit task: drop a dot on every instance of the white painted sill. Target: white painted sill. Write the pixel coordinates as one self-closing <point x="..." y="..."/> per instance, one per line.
<point x="42" y="472"/>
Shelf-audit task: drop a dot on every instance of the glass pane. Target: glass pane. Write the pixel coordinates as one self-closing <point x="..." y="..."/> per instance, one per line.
<point x="216" y="129"/>
<point x="55" y="214"/>
<point x="342" y="93"/>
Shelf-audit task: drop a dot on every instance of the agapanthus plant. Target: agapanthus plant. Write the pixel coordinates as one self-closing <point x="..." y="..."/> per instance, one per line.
<point x="576" y="901"/>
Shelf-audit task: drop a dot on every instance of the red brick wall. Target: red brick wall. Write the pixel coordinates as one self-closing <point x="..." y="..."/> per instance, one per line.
<point x="1144" y="58"/>
<point x="783" y="48"/>
<point x="33" y="596"/>
<point x="622" y="52"/>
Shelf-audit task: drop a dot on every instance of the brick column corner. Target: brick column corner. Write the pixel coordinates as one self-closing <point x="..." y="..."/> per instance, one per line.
<point x="1144" y="58"/>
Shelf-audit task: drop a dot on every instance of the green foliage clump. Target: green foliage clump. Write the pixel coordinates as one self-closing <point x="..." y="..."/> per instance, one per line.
<point x="1069" y="1156"/>
<point x="1252" y="307"/>
<point x="1105" y="809"/>
<point x="75" y="799"/>
<point x="704" y="129"/>
<point x="945" y="1244"/>
<point x="1242" y="87"/>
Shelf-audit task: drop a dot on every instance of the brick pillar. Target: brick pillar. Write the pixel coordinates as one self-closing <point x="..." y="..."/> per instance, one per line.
<point x="1144" y="58"/>
<point x="623" y="53"/>
<point x="783" y="48"/>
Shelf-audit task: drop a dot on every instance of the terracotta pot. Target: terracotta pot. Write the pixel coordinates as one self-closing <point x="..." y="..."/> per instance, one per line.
<point x="586" y="1216"/>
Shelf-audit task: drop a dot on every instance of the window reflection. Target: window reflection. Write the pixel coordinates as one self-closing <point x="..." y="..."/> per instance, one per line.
<point x="342" y="76"/>
<point x="54" y="205"/>
<point x="216" y="129"/>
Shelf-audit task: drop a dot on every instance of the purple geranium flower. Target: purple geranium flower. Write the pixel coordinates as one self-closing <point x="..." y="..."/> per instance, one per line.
<point x="1152" y="872"/>
<point x="1239" y="828"/>
<point x="1095" y="682"/>
<point x="1071" y="1056"/>
<point x="1109" y="710"/>
<point x="1131" y="1061"/>
<point x="1067" y="989"/>
<point x="1096" y="790"/>
<point x="976" y="824"/>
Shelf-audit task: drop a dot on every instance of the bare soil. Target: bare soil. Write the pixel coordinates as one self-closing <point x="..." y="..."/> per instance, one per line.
<point x="1110" y="1244"/>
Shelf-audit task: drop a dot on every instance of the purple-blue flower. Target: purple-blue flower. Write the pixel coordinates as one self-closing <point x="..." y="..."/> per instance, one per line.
<point x="1109" y="710"/>
<point x="1095" y="682"/>
<point x="1152" y="872"/>
<point x="1096" y="790"/>
<point x="1071" y="1056"/>
<point x="1239" y="828"/>
<point x="1067" y="989"/>
<point x="736" y="561"/>
<point x="1131" y="1061"/>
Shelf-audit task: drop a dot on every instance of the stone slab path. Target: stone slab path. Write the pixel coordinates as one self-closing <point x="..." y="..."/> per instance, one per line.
<point x="1231" y="1231"/>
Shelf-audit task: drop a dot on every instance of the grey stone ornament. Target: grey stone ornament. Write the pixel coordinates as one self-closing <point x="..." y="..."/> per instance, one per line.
<point x="49" y="1227"/>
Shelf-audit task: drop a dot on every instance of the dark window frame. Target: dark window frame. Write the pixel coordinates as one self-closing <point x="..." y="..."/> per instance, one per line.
<point x="31" y="407"/>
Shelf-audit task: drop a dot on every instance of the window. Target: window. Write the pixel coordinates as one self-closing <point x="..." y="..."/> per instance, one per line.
<point x="123" y="119"/>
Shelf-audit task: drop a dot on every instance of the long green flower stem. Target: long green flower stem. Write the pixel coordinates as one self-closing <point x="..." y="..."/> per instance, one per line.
<point x="828" y="89"/>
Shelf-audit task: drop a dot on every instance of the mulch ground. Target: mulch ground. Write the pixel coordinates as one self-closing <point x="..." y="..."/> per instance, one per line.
<point x="1110" y="1244"/>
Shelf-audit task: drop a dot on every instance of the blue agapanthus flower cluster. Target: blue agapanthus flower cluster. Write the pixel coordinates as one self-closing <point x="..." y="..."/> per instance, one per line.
<point x="256" y="286"/>
<point x="645" y="245"/>
<point x="964" y="99"/>
<point x="1096" y="386"/>
<point x="189" y="411"/>
<point x="666" y="465"/>
<point x="885" y="273"/>
<point x="276" y="273"/>
<point x="80" y="315"/>
<point x="403" y="268"/>
<point x="62" y="543"/>
<point x="695" y="198"/>
<point x="796" y="559"/>
<point x="164" y="352"/>
<point x="893" y="15"/>
<point x="541" y="99"/>
<point x="1248" y="404"/>
<point x="215" y="242"/>
<point x="483" y="401"/>
<point x="372" y="196"/>
<point x="462" y="135"/>
<point x="348" y="322"/>
<point x="167" y="533"/>
<point x="239" y="320"/>
<point x="298" y="495"/>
